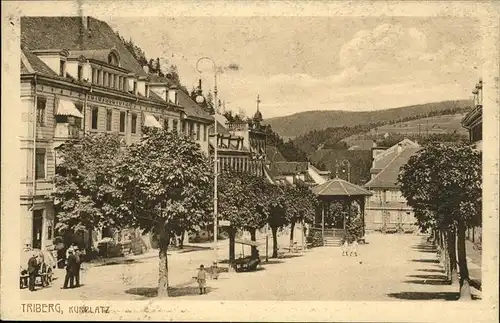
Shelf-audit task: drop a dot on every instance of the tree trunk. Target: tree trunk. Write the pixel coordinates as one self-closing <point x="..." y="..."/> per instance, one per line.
<point x="163" y="242"/>
<point x="292" y="228"/>
<point x="465" y="293"/>
<point x="232" y="236"/>
<point x="253" y="238"/>
<point x="452" y="256"/>
<point x="181" y="243"/>
<point x="274" y="231"/>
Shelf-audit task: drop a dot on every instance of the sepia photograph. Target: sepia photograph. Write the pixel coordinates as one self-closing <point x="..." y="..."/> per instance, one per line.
<point x="232" y="157"/>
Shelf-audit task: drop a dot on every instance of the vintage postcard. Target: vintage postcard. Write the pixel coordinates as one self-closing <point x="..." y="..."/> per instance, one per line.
<point x="250" y="160"/>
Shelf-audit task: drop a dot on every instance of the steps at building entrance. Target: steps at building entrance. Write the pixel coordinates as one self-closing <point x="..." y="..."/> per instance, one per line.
<point x="333" y="242"/>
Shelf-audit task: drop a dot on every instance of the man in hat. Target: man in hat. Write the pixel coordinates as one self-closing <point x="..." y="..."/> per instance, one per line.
<point x="70" y="270"/>
<point x="78" y="258"/>
<point x="32" y="271"/>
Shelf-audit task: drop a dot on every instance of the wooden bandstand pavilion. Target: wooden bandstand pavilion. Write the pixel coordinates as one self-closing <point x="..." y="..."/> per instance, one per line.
<point x="339" y="190"/>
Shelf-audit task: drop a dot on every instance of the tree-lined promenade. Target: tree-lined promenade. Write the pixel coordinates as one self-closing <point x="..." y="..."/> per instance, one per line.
<point x="164" y="185"/>
<point x="443" y="184"/>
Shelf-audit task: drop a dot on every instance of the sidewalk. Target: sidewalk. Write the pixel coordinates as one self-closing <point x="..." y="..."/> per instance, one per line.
<point x="474" y="257"/>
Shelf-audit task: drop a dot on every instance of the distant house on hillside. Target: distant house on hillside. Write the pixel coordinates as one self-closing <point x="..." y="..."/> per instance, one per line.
<point x="386" y="209"/>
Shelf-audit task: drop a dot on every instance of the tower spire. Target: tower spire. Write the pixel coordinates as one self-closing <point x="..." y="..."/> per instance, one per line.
<point x="257" y="118"/>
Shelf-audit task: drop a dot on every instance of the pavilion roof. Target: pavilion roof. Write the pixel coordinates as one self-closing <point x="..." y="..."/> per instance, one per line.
<point x="339" y="187"/>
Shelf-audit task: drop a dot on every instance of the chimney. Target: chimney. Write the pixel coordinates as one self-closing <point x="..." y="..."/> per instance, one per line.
<point x="374" y="144"/>
<point x="400" y="148"/>
<point x="199" y="87"/>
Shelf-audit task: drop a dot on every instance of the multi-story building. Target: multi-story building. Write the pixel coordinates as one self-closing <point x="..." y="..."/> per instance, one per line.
<point x="473" y="121"/>
<point x="84" y="80"/>
<point x="241" y="146"/>
<point x="386" y="209"/>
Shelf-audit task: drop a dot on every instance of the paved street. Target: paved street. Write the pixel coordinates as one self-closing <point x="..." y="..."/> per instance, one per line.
<point x="389" y="267"/>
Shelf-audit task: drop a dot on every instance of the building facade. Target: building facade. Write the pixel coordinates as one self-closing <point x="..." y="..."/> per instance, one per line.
<point x="241" y="146"/>
<point x="84" y="81"/>
<point x="386" y="209"/>
<point x="473" y="121"/>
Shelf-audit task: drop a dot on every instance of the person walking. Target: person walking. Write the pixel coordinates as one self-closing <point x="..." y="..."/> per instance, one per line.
<point x="32" y="271"/>
<point x="78" y="262"/>
<point x="70" y="270"/>
<point x="202" y="280"/>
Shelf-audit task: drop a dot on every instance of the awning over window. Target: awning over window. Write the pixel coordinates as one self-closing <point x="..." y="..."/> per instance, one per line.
<point x="150" y="121"/>
<point x="68" y="108"/>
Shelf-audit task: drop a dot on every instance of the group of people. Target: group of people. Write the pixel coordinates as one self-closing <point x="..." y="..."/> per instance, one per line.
<point x="73" y="267"/>
<point x="350" y="249"/>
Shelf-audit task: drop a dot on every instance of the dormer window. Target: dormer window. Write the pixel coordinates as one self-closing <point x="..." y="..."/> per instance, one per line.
<point x="80" y="72"/>
<point x="62" y="68"/>
<point x="113" y="59"/>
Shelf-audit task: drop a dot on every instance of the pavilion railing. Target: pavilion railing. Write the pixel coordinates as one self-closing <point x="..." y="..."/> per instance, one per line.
<point x="330" y="232"/>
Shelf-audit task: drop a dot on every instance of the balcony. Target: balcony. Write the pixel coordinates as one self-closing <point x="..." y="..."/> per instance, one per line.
<point x="237" y="126"/>
<point x="65" y="131"/>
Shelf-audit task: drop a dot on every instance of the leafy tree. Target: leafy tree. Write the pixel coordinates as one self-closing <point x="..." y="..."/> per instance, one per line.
<point x="301" y="205"/>
<point x="274" y="209"/>
<point x="82" y="183"/>
<point x="443" y="185"/>
<point x="165" y="180"/>
<point x="173" y="74"/>
<point x="241" y="201"/>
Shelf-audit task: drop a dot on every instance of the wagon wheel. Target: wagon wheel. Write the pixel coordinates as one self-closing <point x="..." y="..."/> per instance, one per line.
<point x="49" y="276"/>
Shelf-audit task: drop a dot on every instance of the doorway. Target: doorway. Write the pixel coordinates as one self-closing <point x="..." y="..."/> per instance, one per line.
<point x="37" y="229"/>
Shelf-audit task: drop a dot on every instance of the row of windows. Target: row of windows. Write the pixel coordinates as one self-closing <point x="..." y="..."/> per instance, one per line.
<point x="94" y="116"/>
<point x="110" y="80"/>
<point x="191" y="130"/>
<point x="394" y="217"/>
<point x="42" y="103"/>
<point x="394" y="196"/>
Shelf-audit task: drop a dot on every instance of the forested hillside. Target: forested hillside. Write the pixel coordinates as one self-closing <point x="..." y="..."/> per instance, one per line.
<point x="301" y="123"/>
<point x="441" y="123"/>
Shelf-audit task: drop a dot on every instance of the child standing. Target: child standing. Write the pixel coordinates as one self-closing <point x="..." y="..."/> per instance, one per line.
<point x="345" y="248"/>
<point x="202" y="279"/>
<point x="354" y="248"/>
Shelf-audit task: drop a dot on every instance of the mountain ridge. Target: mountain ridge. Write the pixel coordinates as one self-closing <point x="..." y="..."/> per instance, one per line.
<point x="294" y="125"/>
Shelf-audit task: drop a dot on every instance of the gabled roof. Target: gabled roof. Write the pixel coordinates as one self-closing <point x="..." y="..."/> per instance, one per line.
<point x="339" y="187"/>
<point x="155" y="97"/>
<point x="274" y="155"/>
<point x="384" y="158"/>
<point x="473" y="117"/>
<point x="43" y="33"/>
<point x="220" y="129"/>
<point x="388" y="176"/>
<point x="191" y="109"/>
<point x="155" y="78"/>
<point x="30" y="63"/>
<point x="287" y="168"/>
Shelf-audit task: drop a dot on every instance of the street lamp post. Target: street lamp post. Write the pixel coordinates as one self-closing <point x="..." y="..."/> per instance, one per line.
<point x="344" y="162"/>
<point x="216" y="161"/>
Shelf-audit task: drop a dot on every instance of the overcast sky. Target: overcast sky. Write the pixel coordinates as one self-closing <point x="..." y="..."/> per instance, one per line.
<point x="318" y="63"/>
